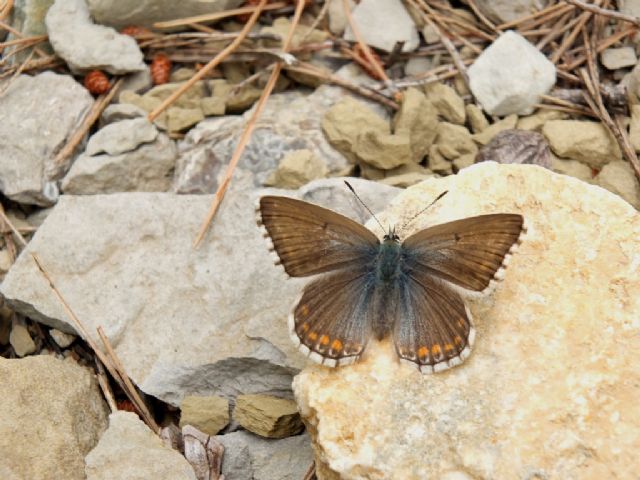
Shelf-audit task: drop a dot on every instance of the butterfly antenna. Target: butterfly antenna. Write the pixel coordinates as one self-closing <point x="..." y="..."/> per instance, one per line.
<point x="423" y="210"/>
<point x="364" y="205"/>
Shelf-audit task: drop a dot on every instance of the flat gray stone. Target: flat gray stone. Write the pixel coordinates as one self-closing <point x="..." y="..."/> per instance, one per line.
<point x="250" y="457"/>
<point x="121" y="137"/>
<point x="210" y="321"/>
<point x="148" y="168"/>
<point x="85" y="45"/>
<point x="504" y="91"/>
<point x="121" y="13"/>
<point x="39" y="113"/>
<point x="129" y="450"/>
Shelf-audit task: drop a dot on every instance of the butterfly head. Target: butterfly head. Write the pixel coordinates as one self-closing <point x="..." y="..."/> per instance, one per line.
<point x="392" y="236"/>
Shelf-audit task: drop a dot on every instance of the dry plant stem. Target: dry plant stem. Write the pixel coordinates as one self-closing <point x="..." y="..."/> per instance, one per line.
<point x="559" y="27"/>
<point x="14" y="230"/>
<point x="99" y="353"/>
<point x="212" y="17"/>
<point x="103" y="381"/>
<point x="592" y="82"/>
<point x="373" y="63"/>
<point x="470" y="28"/>
<point x="424" y="8"/>
<point x="10" y="29"/>
<point x="201" y="28"/>
<point x="246" y="134"/>
<point x="567" y="106"/>
<point x="533" y="16"/>
<point x="130" y="389"/>
<point x="309" y="69"/>
<point x="20" y="41"/>
<point x="310" y="474"/>
<point x="604" y="12"/>
<point x="61" y="161"/>
<point x="16" y="51"/>
<point x="5" y="86"/>
<point x="38" y="64"/>
<point x="211" y="65"/>
<point x="316" y="22"/>
<point x="606" y="43"/>
<point x="488" y="23"/>
<point x="546" y="19"/>
<point x="6" y="9"/>
<point x="440" y="25"/>
<point x="569" y="39"/>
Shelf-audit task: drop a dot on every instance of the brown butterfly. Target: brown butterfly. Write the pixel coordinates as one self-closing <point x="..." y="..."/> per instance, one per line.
<point x="370" y="288"/>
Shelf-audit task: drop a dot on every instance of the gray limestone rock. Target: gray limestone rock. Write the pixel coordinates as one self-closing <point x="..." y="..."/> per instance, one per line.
<point x="249" y="457"/>
<point x="121" y="13"/>
<point x="121" y="137"/>
<point x="148" y="168"/>
<point x="383" y="23"/>
<point x="39" y="113"/>
<point x="209" y="321"/>
<point x="129" y="450"/>
<point x="85" y="45"/>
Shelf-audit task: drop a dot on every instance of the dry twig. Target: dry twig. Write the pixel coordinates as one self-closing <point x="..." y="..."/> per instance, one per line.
<point x="211" y="65"/>
<point x="214" y="17"/>
<point x="106" y="360"/>
<point x="246" y="134"/>
<point x="373" y="62"/>
<point x="423" y="8"/>
<point x="590" y="7"/>
<point x="62" y="159"/>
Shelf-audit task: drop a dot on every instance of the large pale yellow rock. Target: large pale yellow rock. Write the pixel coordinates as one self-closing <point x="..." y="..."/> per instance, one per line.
<point x="52" y="415"/>
<point x="552" y="384"/>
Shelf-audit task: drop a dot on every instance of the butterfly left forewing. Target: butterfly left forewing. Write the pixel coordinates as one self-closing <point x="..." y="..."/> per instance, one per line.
<point x="309" y="239"/>
<point x="469" y="252"/>
<point x="433" y="329"/>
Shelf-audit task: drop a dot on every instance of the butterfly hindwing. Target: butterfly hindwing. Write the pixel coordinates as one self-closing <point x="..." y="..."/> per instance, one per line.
<point x="468" y="252"/>
<point x="332" y="319"/>
<point x="433" y="328"/>
<point x="310" y="239"/>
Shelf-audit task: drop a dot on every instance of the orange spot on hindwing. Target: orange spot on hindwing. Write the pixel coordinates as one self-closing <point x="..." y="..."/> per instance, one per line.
<point x="423" y="353"/>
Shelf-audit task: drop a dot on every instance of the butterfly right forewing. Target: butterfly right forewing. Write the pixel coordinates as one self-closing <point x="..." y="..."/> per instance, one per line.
<point x="468" y="252"/>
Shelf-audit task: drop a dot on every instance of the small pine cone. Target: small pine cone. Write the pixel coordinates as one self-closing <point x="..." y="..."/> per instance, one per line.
<point x="160" y="69"/>
<point x="96" y="82"/>
<point x="139" y="33"/>
<point x="126" y="405"/>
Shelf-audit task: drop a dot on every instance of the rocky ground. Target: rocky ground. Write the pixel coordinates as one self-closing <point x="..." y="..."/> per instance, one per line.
<point x="143" y="328"/>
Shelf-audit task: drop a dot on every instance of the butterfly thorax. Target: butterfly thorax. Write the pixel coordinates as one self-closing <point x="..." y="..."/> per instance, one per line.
<point x="388" y="260"/>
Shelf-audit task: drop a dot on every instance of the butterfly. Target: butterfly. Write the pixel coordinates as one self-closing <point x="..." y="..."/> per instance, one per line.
<point x="367" y="288"/>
